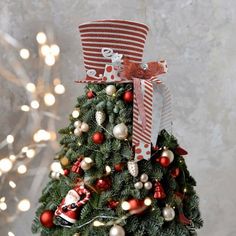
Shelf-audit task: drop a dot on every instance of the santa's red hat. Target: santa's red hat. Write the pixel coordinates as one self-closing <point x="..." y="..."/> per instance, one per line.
<point x="123" y="36"/>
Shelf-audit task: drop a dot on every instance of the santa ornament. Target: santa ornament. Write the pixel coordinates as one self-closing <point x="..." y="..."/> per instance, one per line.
<point x="67" y="212"/>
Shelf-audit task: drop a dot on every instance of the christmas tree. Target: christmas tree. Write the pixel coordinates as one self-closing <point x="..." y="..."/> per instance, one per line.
<point x="122" y="172"/>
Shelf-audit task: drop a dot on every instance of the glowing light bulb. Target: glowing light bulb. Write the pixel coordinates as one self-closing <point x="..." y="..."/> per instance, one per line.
<point x="25" y="108"/>
<point x="75" y="113"/>
<point x="147" y="202"/>
<point x="12" y="157"/>
<point x="97" y="223"/>
<point x="24" y="53"/>
<point x="10" y="234"/>
<point x="30" y="153"/>
<point x="108" y="170"/>
<point x="24" y="205"/>
<point x="41" y="135"/>
<point x="125" y="206"/>
<point x="30" y="87"/>
<point x="3" y="206"/>
<point x="5" y="165"/>
<point x="12" y="184"/>
<point x="45" y="50"/>
<point x="59" y="89"/>
<point x="10" y="139"/>
<point x="55" y="50"/>
<point x="49" y="60"/>
<point x="22" y="169"/>
<point x="34" y="104"/>
<point x="56" y="167"/>
<point x="49" y="99"/>
<point x="24" y="149"/>
<point x="41" y="37"/>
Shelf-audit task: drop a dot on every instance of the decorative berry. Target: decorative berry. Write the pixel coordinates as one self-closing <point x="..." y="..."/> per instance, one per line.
<point x="90" y="94"/>
<point x="128" y="96"/>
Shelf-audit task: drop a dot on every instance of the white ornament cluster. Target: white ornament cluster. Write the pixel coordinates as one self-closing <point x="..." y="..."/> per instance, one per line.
<point x="80" y="127"/>
<point x="143" y="182"/>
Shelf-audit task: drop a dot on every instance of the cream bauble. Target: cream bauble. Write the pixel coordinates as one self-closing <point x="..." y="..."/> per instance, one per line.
<point x="117" y="230"/>
<point x="138" y="185"/>
<point x="77" y="123"/>
<point x="120" y="131"/>
<point x="77" y="132"/>
<point x="144" y="178"/>
<point x="148" y="185"/>
<point x="110" y="90"/>
<point x="168" y="153"/>
<point x="84" y="127"/>
<point x="168" y="213"/>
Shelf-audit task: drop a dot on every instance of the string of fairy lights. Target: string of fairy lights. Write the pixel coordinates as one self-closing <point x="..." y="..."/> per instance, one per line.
<point x="39" y="113"/>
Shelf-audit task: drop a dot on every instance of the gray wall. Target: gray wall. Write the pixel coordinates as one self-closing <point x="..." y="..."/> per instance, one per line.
<point x="197" y="38"/>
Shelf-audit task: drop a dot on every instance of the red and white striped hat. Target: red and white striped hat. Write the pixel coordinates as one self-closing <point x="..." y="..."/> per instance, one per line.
<point x="123" y="36"/>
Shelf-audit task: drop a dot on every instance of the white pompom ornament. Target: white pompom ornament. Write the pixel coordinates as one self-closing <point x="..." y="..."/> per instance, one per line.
<point x="117" y="230"/>
<point x="110" y="90"/>
<point x="100" y="117"/>
<point x="84" y="127"/>
<point x="120" y="131"/>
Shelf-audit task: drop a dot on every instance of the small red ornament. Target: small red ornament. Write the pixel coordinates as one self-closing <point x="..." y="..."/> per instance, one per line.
<point x="46" y="218"/>
<point x="159" y="191"/>
<point x="66" y="172"/>
<point x="98" y="138"/>
<point x="180" y="151"/>
<point x="175" y="172"/>
<point x="90" y="94"/>
<point x="118" y="167"/>
<point x="103" y="184"/>
<point x="113" y="204"/>
<point x="164" y="161"/>
<point x="128" y="96"/>
<point x="136" y="206"/>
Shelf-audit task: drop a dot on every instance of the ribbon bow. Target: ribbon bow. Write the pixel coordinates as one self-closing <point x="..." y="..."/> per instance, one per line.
<point x="149" y="93"/>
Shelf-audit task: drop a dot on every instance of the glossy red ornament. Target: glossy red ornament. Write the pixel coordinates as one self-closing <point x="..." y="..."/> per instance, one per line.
<point x="46" y="218"/>
<point x="66" y="172"/>
<point x="90" y="94"/>
<point x="113" y="204"/>
<point x="128" y="96"/>
<point x="175" y="172"/>
<point x="98" y="138"/>
<point x="180" y="151"/>
<point x="159" y="191"/>
<point x="118" y="167"/>
<point x="164" y="161"/>
<point x="103" y="184"/>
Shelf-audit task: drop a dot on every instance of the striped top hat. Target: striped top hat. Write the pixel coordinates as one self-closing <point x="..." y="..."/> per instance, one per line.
<point x="122" y="36"/>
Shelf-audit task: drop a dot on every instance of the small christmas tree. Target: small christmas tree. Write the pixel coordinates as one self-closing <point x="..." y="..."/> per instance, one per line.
<point x="115" y="180"/>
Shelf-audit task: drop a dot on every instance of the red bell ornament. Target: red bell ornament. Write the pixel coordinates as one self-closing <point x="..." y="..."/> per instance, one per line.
<point x="159" y="191"/>
<point x="46" y="218"/>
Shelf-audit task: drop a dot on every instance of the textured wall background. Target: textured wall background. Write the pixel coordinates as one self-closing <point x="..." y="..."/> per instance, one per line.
<point x="198" y="40"/>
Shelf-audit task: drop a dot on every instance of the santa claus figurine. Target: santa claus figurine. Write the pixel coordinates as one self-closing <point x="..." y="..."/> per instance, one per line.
<point x="67" y="212"/>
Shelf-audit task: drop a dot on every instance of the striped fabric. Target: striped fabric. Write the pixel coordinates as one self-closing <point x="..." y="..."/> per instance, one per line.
<point x="124" y="37"/>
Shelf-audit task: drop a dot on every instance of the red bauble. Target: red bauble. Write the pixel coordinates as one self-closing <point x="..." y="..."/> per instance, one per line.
<point x="164" y="161"/>
<point x="46" y="219"/>
<point x="135" y="204"/>
<point x="118" y="167"/>
<point x="128" y="96"/>
<point x="103" y="184"/>
<point x="159" y="191"/>
<point x="113" y="204"/>
<point x="98" y="138"/>
<point x="90" y="94"/>
<point x="66" y="172"/>
<point x="180" y="151"/>
<point x="175" y="172"/>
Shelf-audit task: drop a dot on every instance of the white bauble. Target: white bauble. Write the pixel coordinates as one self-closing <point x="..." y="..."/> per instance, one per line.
<point x="144" y="178"/>
<point x="77" y="123"/>
<point x="168" y="213"/>
<point x="86" y="163"/>
<point x="84" y="127"/>
<point x="77" y="132"/>
<point x="55" y="175"/>
<point x="168" y="153"/>
<point x="120" y="131"/>
<point x="100" y="117"/>
<point x="148" y="185"/>
<point x="110" y="90"/>
<point x="117" y="230"/>
<point x="138" y="185"/>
